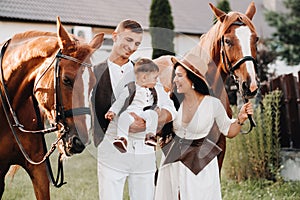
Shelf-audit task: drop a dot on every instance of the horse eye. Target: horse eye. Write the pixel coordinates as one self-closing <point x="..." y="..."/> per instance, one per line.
<point x="67" y="81"/>
<point x="228" y="42"/>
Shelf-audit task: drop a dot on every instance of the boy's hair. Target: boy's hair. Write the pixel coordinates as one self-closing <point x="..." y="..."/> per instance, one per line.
<point x="132" y="25"/>
<point x="145" y="65"/>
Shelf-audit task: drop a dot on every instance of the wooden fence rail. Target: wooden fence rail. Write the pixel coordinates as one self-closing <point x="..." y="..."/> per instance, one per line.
<point x="290" y="108"/>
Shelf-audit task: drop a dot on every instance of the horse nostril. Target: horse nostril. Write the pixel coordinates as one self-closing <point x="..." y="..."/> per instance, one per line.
<point x="245" y="86"/>
<point x="77" y="145"/>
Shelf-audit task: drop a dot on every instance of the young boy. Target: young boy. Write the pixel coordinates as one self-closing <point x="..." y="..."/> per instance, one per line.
<point x="139" y="97"/>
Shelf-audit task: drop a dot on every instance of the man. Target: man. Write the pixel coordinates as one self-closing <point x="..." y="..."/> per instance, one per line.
<point x="138" y="164"/>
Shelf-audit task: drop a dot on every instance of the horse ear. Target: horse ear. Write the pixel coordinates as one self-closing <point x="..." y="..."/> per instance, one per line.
<point x="218" y="13"/>
<point x="251" y="10"/>
<point x="97" y="41"/>
<point x="64" y="39"/>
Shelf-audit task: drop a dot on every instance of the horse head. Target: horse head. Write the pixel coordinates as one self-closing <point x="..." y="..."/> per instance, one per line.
<point x="62" y="88"/>
<point x="235" y="48"/>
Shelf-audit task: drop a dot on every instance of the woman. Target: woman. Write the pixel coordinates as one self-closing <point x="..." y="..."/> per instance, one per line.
<point x="190" y="168"/>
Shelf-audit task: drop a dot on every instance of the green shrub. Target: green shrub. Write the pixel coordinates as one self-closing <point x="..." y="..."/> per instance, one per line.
<point x="256" y="155"/>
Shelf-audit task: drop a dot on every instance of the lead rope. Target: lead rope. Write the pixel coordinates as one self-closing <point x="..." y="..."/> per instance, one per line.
<point x="59" y="180"/>
<point x="245" y="100"/>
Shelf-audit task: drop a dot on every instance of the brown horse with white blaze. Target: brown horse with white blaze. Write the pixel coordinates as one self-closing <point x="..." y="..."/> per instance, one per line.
<point x="43" y="76"/>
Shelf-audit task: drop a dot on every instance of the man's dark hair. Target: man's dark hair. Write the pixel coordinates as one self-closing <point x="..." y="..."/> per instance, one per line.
<point x="132" y="25"/>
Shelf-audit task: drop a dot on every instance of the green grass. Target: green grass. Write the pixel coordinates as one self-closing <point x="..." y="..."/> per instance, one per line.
<point x="260" y="189"/>
<point x="81" y="178"/>
<point x="80" y="175"/>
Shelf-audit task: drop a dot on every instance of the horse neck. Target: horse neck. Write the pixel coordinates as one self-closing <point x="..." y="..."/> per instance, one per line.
<point x="216" y="77"/>
<point x="20" y="71"/>
<point x="206" y="53"/>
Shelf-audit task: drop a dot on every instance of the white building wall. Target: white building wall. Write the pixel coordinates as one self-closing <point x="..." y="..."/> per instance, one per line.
<point x="183" y="43"/>
<point x="8" y="29"/>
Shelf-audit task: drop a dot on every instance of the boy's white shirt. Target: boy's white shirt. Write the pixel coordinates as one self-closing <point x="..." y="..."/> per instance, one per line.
<point x="142" y="98"/>
<point x="116" y="76"/>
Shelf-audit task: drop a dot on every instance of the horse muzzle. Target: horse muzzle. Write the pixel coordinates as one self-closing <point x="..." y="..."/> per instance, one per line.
<point x="74" y="146"/>
<point x="247" y="91"/>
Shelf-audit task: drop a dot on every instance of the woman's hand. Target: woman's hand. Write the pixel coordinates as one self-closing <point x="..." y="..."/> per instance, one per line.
<point x="247" y="109"/>
<point x="138" y="125"/>
<point x="235" y="127"/>
<point x="164" y="141"/>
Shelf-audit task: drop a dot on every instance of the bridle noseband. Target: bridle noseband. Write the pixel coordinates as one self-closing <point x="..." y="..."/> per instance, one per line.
<point x="60" y="118"/>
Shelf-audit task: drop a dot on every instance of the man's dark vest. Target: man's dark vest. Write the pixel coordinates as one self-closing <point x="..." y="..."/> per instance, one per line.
<point x="101" y="100"/>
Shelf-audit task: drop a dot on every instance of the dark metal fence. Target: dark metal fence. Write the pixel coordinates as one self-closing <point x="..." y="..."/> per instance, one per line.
<point x="290" y="108"/>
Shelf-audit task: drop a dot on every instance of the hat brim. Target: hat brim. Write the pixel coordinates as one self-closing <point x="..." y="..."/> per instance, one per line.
<point x="190" y="68"/>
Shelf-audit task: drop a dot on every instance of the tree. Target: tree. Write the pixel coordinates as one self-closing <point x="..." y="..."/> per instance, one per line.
<point x="265" y="56"/>
<point x="285" y="40"/>
<point x="224" y="5"/>
<point x="161" y="28"/>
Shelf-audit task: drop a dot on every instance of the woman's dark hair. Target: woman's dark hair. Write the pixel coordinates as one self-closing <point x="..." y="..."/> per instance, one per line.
<point x="199" y="85"/>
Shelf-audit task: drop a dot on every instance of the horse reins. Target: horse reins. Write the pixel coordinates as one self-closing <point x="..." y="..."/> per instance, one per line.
<point x="231" y="68"/>
<point x="61" y="115"/>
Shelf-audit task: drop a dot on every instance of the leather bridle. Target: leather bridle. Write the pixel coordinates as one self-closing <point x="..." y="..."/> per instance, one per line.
<point x="231" y="68"/>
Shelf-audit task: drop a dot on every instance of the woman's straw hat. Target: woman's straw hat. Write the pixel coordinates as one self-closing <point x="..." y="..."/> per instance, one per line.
<point x="190" y="68"/>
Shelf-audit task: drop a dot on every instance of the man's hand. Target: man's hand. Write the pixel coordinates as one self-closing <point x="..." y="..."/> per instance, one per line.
<point x="164" y="117"/>
<point x="109" y="115"/>
<point x="139" y="124"/>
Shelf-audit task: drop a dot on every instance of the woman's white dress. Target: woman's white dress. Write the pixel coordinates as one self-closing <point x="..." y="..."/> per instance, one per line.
<point x="175" y="178"/>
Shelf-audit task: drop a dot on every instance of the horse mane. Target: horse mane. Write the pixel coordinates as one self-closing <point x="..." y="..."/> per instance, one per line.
<point x="32" y="34"/>
<point x="35" y="39"/>
<point x="82" y="51"/>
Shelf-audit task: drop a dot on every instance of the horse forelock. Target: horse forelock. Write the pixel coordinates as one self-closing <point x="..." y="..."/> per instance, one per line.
<point x="233" y="17"/>
<point x="83" y="52"/>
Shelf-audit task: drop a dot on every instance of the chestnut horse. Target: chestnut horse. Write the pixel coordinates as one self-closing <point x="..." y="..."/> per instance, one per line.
<point x="44" y="76"/>
<point x="228" y="48"/>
